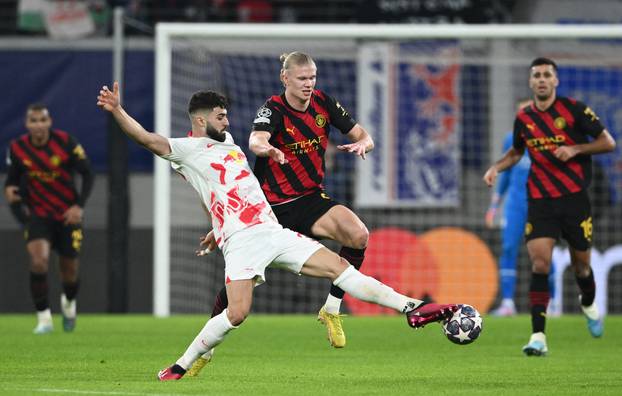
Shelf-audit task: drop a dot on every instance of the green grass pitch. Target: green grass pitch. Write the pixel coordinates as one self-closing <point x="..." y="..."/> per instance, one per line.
<point x="289" y="355"/>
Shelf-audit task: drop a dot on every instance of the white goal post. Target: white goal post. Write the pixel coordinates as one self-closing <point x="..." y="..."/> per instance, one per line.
<point x="501" y="57"/>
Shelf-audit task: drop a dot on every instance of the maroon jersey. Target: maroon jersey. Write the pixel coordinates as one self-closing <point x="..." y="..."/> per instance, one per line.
<point x="47" y="173"/>
<point x="303" y="137"/>
<point x="566" y="122"/>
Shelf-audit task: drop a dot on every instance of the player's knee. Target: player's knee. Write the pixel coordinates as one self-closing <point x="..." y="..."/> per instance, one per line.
<point x="540" y="265"/>
<point x="359" y="238"/>
<point x="38" y="264"/>
<point x="237" y="315"/>
<point x="341" y="265"/>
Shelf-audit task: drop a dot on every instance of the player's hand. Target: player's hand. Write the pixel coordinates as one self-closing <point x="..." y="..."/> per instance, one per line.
<point x="109" y="100"/>
<point x="277" y="155"/>
<point x="357" y="148"/>
<point x="207" y="244"/>
<point x="73" y="215"/>
<point x="565" y="153"/>
<point x="490" y="176"/>
<point x="490" y="217"/>
<point x="11" y="193"/>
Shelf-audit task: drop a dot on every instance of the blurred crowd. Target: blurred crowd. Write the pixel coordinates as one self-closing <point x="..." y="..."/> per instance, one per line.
<point x="18" y="17"/>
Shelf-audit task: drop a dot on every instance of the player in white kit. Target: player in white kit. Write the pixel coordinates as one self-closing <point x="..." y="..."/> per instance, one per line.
<point x="244" y="226"/>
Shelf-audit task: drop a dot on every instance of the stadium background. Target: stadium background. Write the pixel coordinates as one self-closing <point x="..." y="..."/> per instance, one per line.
<point x="56" y="76"/>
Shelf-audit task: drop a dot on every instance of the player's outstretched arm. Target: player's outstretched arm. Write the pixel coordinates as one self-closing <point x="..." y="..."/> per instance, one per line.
<point x="111" y="101"/>
<point x="489" y="219"/>
<point x="362" y="142"/>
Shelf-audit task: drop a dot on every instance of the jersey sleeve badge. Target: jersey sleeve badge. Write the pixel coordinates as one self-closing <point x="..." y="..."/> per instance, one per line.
<point x="79" y="152"/>
<point x="320" y="120"/>
<point x="263" y="116"/>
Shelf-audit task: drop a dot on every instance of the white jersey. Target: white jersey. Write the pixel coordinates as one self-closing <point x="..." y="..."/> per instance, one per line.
<point x="220" y="173"/>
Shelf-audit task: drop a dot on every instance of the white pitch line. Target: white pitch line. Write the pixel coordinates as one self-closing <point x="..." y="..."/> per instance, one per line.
<point x="87" y="392"/>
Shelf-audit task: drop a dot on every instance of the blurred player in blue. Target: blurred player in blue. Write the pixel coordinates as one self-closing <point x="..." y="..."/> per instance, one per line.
<point x="512" y="190"/>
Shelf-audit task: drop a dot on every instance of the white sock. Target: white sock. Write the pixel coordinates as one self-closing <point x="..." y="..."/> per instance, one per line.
<point x="591" y="311"/>
<point x="45" y="316"/>
<point x="332" y="304"/>
<point x="538" y="337"/>
<point x="508" y="302"/>
<point x="68" y="307"/>
<point x="211" y="335"/>
<point x="368" y="289"/>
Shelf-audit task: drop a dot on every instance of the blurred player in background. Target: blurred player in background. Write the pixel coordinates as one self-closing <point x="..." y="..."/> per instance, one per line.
<point x="512" y="190"/>
<point x="41" y="189"/>
<point x="290" y="139"/>
<point x="560" y="134"/>
<point x="245" y="227"/>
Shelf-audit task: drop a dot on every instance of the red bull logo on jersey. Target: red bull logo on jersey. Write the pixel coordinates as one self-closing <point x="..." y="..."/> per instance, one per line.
<point x="234" y="156"/>
<point x="546" y="143"/>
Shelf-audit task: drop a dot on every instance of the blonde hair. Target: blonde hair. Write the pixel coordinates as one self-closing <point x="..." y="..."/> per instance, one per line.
<point x="295" y="58"/>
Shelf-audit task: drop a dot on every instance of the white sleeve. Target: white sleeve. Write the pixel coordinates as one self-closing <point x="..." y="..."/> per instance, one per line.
<point x="180" y="148"/>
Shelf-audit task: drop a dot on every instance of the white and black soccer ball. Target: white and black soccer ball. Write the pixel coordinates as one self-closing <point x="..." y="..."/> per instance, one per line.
<point x="464" y="326"/>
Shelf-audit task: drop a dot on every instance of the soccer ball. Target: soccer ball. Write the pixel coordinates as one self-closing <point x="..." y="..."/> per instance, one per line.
<point x="464" y="326"/>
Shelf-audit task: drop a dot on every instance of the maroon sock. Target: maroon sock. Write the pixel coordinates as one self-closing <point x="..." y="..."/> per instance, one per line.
<point x="39" y="290"/>
<point x="71" y="289"/>
<point x="539" y="296"/>
<point x="588" y="289"/>
<point x="221" y="302"/>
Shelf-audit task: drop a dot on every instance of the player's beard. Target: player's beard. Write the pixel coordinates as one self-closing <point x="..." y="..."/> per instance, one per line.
<point x="214" y="134"/>
<point x="543" y="97"/>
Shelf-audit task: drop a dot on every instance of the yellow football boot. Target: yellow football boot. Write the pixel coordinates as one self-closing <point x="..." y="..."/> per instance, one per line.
<point x="333" y="324"/>
<point x="198" y="366"/>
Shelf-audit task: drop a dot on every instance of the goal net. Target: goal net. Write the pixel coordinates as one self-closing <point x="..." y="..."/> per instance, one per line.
<point x="438" y="101"/>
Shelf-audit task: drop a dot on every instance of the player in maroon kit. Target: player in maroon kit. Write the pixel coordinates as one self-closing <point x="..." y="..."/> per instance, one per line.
<point x="290" y="138"/>
<point x="43" y="163"/>
<point x="560" y="135"/>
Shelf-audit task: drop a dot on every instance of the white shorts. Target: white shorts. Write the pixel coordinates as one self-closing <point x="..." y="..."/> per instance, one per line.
<point x="250" y="251"/>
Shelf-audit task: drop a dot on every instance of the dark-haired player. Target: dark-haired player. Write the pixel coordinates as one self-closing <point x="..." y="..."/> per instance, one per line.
<point x="245" y="227"/>
<point x="560" y="135"/>
<point x="43" y="162"/>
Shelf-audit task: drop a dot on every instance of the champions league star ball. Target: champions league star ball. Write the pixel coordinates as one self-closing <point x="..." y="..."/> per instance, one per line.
<point x="464" y="326"/>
